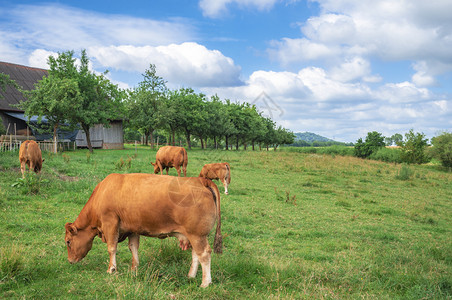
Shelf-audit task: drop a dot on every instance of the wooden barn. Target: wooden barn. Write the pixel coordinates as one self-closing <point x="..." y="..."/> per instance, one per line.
<point x="103" y="137"/>
<point x="15" y="123"/>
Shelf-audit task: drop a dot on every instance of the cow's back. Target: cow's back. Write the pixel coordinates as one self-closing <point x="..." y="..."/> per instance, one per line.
<point x="151" y="204"/>
<point x="30" y="152"/>
<point x="172" y="155"/>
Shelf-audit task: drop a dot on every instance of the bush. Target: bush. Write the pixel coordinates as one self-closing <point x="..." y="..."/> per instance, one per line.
<point x="405" y="173"/>
<point x="387" y="155"/>
<point x="442" y="149"/>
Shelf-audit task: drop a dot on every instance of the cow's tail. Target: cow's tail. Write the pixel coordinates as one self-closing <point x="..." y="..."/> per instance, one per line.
<point x="228" y="168"/>
<point x="218" y="240"/>
<point x="185" y="159"/>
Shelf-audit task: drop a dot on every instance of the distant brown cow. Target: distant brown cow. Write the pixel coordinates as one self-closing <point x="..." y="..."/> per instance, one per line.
<point x="221" y="171"/>
<point x="129" y="205"/>
<point x="169" y="157"/>
<point x="30" y="155"/>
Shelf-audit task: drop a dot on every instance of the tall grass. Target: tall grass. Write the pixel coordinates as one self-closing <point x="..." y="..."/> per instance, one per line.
<point x="295" y="226"/>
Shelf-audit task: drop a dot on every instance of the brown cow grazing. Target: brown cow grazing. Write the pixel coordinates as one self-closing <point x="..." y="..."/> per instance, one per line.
<point x="169" y="157"/>
<point x="30" y="155"/>
<point x="129" y="205"/>
<point x="221" y="171"/>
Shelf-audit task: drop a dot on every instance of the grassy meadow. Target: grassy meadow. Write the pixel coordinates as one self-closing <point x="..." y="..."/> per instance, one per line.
<point x="295" y="226"/>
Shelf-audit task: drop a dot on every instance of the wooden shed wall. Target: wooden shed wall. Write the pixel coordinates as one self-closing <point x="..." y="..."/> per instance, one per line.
<point x="102" y="137"/>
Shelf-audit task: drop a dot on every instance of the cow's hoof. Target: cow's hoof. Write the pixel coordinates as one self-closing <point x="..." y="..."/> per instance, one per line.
<point x="204" y="285"/>
<point x="111" y="270"/>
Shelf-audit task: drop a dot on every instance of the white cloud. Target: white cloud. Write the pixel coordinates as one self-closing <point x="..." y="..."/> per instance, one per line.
<point x="215" y="8"/>
<point x="61" y="28"/>
<point x="187" y="63"/>
<point x="386" y="30"/>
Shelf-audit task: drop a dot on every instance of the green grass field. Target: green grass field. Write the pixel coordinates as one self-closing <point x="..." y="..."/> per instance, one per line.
<point x="295" y="225"/>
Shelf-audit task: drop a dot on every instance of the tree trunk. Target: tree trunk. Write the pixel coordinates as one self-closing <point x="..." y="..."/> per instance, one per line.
<point x="237" y="143"/>
<point x="202" y="144"/>
<point x="188" y="139"/>
<point x="88" y="138"/>
<point x="215" y="142"/>
<point x="227" y="144"/>
<point x="174" y="137"/>
<point x="253" y="145"/>
<point x="152" y="139"/>
<point x="55" y="135"/>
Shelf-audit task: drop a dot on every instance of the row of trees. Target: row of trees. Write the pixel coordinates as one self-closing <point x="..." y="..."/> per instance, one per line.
<point x="72" y="95"/>
<point x="151" y="106"/>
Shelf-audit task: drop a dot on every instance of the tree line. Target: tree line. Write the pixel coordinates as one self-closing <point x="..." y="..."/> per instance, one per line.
<point x="73" y="95"/>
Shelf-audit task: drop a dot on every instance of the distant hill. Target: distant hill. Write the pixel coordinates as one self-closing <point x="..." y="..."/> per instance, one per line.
<point x="310" y="137"/>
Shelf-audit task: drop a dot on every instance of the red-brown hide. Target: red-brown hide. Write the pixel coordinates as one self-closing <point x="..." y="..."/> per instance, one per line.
<point x="219" y="171"/>
<point x="129" y="205"/>
<point x="30" y="155"/>
<point x="169" y="157"/>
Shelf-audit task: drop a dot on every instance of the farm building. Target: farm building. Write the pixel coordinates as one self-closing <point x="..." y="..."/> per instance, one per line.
<point x="103" y="137"/>
<point x="15" y="122"/>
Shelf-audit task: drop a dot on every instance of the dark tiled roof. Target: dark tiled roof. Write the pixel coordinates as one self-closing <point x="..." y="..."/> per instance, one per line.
<point x="25" y="77"/>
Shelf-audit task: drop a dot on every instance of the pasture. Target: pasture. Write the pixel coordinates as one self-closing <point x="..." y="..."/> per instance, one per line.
<point x="295" y="226"/>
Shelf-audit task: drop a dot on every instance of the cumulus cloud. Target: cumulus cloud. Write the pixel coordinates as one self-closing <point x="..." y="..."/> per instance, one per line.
<point x="60" y="28"/>
<point x="215" y="8"/>
<point x="187" y="63"/>
<point x="387" y="30"/>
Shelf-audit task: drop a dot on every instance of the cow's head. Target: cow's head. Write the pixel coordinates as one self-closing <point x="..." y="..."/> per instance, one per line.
<point x="156" y="168"/>
<point x="78" y="242"/>
<point x="38" y="166"/>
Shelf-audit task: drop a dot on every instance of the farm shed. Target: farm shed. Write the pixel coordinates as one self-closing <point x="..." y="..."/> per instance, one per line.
<point x="103" y="137"/>
<point x="14" y="120"/>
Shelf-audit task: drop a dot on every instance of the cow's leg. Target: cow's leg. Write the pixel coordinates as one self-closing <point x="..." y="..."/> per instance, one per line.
<point x="167" y="169"/>
<point x="160" y="167"/>
<point x="134" y="244"/>
<point x="110" y="231"/>
<point x="22" y="168"/>
<point x="202" y="251"/>
<point x="225" y="184"/>
<point x="184" y="168"/>
<point x="194" y="264"/>
<point x="178" y="170"/>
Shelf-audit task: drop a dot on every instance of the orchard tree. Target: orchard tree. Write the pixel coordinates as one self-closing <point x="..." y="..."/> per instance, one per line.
<point x="56" y="96"/>
<point x="74" y="94"/>
<point x="191" y="113"/>
<point x="100" y="101"/>
<point x="144" y="104"/>
<point x="53" y="98"/>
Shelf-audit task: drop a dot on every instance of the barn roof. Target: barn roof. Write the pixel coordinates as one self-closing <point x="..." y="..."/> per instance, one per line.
<point x="25" y="77"/>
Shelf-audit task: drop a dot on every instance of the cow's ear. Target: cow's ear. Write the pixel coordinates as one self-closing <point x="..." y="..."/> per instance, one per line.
<point x="71" y="228"/>
<point x="152" y="163"/>
<point x="43" y="159"/>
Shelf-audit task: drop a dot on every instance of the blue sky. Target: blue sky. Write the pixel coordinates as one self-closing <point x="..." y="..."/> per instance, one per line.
<point x="338" y="68"/>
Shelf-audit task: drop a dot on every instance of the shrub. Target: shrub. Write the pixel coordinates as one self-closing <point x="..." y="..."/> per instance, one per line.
<point x="405" y="173"/>
<point x="387" y="155"/>
<point x="442" y="149"/>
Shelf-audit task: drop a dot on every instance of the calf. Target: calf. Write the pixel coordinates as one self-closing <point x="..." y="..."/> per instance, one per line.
<point x="221" y="171"/>
<point x="30" y="155"/>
